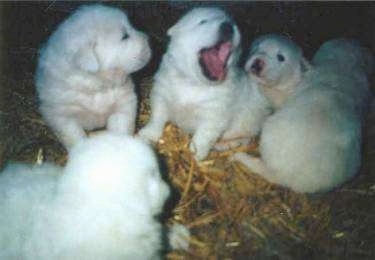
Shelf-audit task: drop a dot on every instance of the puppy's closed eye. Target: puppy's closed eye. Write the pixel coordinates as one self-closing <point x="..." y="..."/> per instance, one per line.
<point x="202" y="22"/>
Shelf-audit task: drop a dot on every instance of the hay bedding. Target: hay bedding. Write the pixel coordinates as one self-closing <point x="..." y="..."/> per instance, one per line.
<point x="232" y="213"/>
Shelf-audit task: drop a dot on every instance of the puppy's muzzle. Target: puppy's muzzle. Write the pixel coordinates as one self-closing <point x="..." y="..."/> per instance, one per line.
<point x="257" y="66"/>
<point x="226" y="31"/>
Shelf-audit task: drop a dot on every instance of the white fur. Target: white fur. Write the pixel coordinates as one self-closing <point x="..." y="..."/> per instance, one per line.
<point x="260" y="94"/>
<point x="183" y="95"/>
<point x="313" y="143"/>
<point x="102" y="205"/>
<point x="83" y="75"/>
<point x="179" y="237"/>
<point x="277" y="79"/>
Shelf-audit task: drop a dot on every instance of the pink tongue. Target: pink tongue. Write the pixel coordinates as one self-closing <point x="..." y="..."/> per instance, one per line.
<point x="215" y="58"/>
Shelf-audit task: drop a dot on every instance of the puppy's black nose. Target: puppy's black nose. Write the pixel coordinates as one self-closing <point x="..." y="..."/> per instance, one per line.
<point x="257" y="66"/>
<point x="226" y="30"/>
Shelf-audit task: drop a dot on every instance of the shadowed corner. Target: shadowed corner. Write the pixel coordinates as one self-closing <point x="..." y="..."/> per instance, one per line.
<point x="174" y="196"/>
<point x="1" y="46"/>
<point x="169" y="205"/>
<point x="2" y="134"/>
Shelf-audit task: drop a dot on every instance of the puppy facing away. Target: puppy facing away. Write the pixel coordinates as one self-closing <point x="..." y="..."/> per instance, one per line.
<point x="199" y="86"/>
<point x="83" y="75"/>
<point x="102" y="205"/>
<point x="313" y="143"/>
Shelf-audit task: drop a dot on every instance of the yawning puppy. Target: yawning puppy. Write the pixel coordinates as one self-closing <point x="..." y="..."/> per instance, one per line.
<point x="198" y="86"/>
<point x="83" y="75"/>
<point x="313" y="143"/>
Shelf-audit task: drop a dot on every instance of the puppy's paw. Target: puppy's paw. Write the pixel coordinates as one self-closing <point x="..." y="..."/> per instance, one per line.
<point x="69" y="141"/>
<point x="179" y="237"/>
<point x="68" y="131"/>
<point x="240" y="157"/>
<point x="254" y="164"/>
<point x="200" y="151"/>
<point x="230" y="144"/>
<point x="149" y="134"/>
<point x="223" y="146"/>
<point x="121" y="123"/>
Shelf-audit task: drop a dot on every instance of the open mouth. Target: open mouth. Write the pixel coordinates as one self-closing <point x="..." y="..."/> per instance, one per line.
<point x="213" y="60"/>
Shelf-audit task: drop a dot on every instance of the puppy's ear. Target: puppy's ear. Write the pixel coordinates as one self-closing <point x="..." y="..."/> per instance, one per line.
<point x="305" y="65"/>
<point x="86" y="58"/>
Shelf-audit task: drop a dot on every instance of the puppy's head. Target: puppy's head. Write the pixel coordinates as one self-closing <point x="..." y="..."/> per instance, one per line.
<point x="111" y="168"/>
<point x="348" y="54"/>
<point x="103" y="40"/>
<point x="276" y="62"/>
<point x="204" y="44"/>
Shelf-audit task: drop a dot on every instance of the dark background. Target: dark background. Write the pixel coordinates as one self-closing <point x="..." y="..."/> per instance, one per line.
<point x="25" y="26"/>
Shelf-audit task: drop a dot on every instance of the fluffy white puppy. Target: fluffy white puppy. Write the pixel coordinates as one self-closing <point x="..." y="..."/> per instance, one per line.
<point x="313" y="143"/>
<point x="199" y="86"/>
<point x="82" y="77"/>
<point x="102" y="205"/>
<point x="274" y="68"/>
<point x="276" y="64"/>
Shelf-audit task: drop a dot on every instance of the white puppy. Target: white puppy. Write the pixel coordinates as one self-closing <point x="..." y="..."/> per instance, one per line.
<point x="313" y="143"/>
<point x="274" y="68"/>
<point x="199" y="86"/>
<point x="102" y="205"/>
<point x="83" y="79"/>
<point x="276" y="64"/>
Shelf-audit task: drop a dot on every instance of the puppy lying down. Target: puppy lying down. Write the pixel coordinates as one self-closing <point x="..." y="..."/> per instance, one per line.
<point x="313" y="143"/>
<point x="199" y="86"/>
<point x="83" y="75"/>
<point x="274" y="68"/>
<point x="102" y="205"/>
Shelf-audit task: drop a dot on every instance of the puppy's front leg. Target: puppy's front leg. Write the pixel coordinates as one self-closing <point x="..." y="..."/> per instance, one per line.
<point x="123" y="119"/>
<point x="256" y="165"/>
<point x="204" y="138"/>
<point x="159" y="116"/>
<point x="68" y="130"/>
<point x="224" y="144"/>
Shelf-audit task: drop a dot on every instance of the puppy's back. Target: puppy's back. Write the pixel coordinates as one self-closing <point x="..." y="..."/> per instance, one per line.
<point x="25" y="191"/>
<point x="313" y="143"/>
<point x="345" y="65"/>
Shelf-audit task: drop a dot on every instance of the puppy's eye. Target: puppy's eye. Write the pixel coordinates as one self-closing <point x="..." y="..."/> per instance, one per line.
<point x="125" y="36"/>
<point x="280" y="57"/>
<point x="202" y="22"/>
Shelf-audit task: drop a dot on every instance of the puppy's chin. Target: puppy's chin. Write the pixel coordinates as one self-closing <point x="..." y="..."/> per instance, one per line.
<point x="259" y="80"/>
<point x="128" y="66"/>
<point x="112" y="73"/>
<point x="142" y="62"/>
